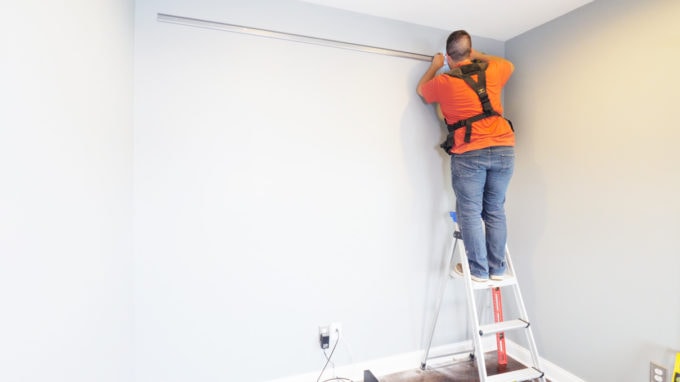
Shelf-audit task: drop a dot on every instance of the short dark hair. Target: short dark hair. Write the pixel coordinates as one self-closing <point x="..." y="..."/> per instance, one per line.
<point x="459" y="45"/>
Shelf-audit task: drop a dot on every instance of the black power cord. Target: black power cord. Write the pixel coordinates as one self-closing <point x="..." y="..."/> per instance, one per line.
<point x="328" y="360"/>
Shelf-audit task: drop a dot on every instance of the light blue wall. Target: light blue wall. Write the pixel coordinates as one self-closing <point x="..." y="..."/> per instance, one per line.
<point x="66" y="195"/>
<point x="281" y="186"/>
<point x="594" y="205"/>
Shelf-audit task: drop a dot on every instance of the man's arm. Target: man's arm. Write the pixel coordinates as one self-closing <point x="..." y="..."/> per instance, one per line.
<point x="440" y="113"/>
<point x="437" y="63"/>
<point x="487" y="57"/>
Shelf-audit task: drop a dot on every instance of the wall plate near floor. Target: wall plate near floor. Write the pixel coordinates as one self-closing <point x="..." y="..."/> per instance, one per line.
<point x="657" y="373"/>
<point x="324" y="336"/>
<point x="329" y="334"/>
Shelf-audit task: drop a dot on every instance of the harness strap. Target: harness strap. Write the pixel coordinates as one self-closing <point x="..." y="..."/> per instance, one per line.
<point x="468" y="123"/>
<point x="465" y="73"/>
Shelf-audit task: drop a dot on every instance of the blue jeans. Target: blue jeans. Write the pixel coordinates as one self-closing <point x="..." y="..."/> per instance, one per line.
<point x="480" y="179"/>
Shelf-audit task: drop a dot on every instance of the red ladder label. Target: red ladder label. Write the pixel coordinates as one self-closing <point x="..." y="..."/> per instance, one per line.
<point x="498" y="317"/>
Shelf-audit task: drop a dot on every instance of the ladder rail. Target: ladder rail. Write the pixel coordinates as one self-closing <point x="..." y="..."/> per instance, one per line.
<point x="472" y="311"/>
<point x="442" y="290"/>
<point x="525" y="316"/>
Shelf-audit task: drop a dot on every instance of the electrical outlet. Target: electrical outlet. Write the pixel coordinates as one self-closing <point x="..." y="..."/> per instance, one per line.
<point x="329" y="334"/>
<point x="324" y="336"/>
<point x="657" y="373"/>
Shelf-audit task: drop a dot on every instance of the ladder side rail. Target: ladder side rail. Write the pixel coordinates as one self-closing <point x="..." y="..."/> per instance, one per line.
<point x="534" y="351"/>
<point x="523" y="313"/>
<point x="442" y="290"/>
<point x="518" y="296"/>
<point x="472" y="311"/>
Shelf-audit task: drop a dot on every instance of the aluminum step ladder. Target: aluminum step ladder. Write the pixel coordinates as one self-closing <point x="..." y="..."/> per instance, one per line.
<point x="478" y="330"/>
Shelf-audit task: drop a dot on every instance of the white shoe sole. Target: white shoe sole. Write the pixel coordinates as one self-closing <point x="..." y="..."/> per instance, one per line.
<point x="459" y="271"/>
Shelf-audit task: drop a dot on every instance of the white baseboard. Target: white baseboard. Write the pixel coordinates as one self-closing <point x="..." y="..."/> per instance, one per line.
<point x="413" y="360"/>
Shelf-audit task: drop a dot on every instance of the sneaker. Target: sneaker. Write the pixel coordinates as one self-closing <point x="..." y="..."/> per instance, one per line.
<point x="459" y="270"/>
<point x="499" y="277"/>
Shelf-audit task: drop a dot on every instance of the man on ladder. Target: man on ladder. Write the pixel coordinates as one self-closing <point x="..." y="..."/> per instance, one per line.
<point x="481" y="144"/>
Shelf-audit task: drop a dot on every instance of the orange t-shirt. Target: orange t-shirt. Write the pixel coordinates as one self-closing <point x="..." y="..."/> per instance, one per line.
<point x="458" y="101"/>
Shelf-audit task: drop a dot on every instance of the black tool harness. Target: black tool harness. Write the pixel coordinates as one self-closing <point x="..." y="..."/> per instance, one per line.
<point x="465" y="72"/>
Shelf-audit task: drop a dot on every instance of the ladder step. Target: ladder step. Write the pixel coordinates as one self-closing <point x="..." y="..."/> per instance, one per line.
<point x="527" y="374"/>
<point x="493" y="284"/>
<point x="502" y="327"/>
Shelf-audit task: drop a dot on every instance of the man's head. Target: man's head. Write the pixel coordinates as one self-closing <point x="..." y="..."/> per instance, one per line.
<point x="458" y="46"/>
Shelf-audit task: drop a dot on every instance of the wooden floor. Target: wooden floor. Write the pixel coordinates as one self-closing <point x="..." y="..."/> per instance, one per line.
<point x="461" y="371"/>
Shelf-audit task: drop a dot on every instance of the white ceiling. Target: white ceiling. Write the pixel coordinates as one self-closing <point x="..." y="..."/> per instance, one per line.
<point x="496" y="19"/>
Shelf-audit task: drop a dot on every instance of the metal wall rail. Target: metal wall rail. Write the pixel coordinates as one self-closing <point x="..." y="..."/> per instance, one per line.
<point x="199" y="23"/>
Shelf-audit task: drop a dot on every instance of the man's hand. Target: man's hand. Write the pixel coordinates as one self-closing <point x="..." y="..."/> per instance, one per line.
<point x="437" y="63"/>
